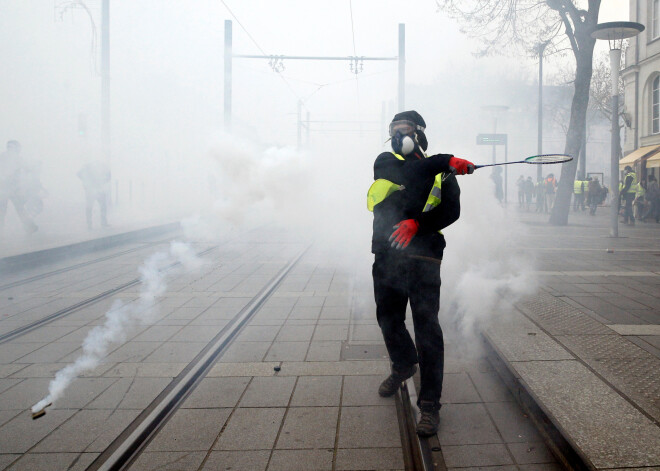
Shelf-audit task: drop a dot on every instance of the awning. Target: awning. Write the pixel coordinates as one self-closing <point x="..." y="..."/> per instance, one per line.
<point x="653" y="161"/>
<point x="638" y="154"/>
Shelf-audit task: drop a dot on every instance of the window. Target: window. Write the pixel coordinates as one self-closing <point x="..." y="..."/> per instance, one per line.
<point x="655" y="20"/>
<point x="655" y="105"/>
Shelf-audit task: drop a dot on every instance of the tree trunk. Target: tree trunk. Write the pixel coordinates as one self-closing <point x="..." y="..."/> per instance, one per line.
<point x="577" y="124"/>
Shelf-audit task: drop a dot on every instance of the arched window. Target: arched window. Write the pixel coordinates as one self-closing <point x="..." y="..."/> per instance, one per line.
<point x="655" y="105"/>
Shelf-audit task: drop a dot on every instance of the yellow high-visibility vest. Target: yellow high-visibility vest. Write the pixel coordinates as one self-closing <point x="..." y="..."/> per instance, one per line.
<point x="633" y="186"/>
<point x="382" y="188"/>
<point x="577" y="187"/>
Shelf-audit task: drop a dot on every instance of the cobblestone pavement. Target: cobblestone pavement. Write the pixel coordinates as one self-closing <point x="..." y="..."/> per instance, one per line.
<point x="320" y="411"/>
<point x="586" y="346"/>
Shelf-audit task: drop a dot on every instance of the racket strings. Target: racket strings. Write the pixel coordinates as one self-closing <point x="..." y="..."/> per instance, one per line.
<point x="548" y="159"/>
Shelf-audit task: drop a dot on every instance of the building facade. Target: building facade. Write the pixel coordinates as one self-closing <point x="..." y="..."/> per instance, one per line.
<point x="641" y="78"/>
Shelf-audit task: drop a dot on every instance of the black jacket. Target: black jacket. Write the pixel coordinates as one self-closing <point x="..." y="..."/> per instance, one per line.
<point x="417" y="175"/>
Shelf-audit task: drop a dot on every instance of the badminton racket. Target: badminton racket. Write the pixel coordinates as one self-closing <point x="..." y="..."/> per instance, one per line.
<point x="535" y="159"/>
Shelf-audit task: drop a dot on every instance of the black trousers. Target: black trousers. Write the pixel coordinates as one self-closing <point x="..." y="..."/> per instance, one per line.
<point x="397" y="280"/>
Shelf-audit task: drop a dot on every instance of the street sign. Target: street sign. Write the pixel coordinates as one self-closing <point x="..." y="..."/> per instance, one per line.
<point x="491" y="139"/>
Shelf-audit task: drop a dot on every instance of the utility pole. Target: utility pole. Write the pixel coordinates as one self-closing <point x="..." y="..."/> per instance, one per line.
<point x="402" y="67"/>
<point x="539" y="174"/>
<point x="105" y="81"/>
<point x="228" y="74"/>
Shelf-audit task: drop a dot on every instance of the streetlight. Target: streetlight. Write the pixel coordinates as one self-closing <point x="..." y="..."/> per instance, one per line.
<point x="541" y="48"/>
<point x="615" y="32"/>
<point x="497" y="110"/>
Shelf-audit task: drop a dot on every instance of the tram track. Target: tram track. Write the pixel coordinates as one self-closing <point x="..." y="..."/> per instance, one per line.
<point x="125" y="449"/>
<point x="41" y="276"/>
<point x="19" y="331"/>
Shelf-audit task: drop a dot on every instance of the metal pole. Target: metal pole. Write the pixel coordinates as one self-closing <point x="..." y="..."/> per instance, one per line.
<point x="307" y="131"/>
<point x="615" y="63"/>
<point x="494" y="132"/>
<point x="228" y="74"/>
<point x="299" y="123"/>
<point x="539" y="171"/>
<point x="402" y="66"/>
<point x="506" y="170"/>
<point x="105" y="81"/>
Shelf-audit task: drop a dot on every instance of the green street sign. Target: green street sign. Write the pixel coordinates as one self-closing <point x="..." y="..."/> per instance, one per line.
<point x="491" y="139"/>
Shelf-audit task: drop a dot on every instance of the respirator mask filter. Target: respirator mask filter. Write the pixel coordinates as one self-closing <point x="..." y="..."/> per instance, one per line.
<point x="400" y="132"/>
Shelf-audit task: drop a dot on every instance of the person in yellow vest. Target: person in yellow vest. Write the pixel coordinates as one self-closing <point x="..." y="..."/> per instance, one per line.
<point x="579" y="190"/>
<point x="413" y="198"/>
<point x="628" y="193"/>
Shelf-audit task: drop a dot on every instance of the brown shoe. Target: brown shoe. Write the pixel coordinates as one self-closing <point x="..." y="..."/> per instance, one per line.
<point x="393" y="382"/>
<point x="429" y="419"/>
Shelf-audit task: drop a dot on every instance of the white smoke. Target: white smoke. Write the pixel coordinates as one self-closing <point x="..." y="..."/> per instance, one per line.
<point x="484" y="268"/>
<point x="121" y="318"/>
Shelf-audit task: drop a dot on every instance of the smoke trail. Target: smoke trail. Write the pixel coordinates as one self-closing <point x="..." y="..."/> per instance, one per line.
<point x="121" y="318"/>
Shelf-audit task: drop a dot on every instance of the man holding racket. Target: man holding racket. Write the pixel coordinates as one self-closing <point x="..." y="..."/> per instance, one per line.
<point x="413" y="198"/>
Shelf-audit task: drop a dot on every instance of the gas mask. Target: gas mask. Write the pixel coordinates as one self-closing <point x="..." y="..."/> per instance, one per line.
<point x="402" y="144"/>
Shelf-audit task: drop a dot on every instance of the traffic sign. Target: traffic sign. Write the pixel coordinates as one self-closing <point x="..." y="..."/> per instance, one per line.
<point x="491" y="139"/>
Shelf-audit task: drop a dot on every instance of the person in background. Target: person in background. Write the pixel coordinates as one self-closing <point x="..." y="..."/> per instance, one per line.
<point x="95" y="177"/>
<point x="496" y="176"/>
<point x="579" y="190"/>
<point x="413" y="198"/>
<point x="529" y="192"/>
<point x="13" y="171"/>
<point x="594" y="196"/>
<point x="653" y="197"/>
<point x="628" y="194"/>
<point x="550" y="188"/>
<point x="520" y="184"/>
<point x="541" y="205"/>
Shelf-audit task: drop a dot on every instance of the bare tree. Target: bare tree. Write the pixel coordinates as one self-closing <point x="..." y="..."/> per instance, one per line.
<point x="521" y="25"/>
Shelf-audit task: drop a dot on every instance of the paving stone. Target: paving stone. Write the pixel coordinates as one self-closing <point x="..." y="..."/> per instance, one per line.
<point x="369" y="427"/>
<point x="132" y="352"/>
<point x="476" y="455"/>
<point x="309" y="427"/>
<point x="49" y="353"/>
<point x="243" y="369"/>
<point x="7" y="415"/>
<point x="251" y="429"/>
<point x="175" y="351"/>
<point x="8" y="370"/>
<point x="636" y="329"/>
<point x="366" y="332"/>
<point x="531" y="452"/>
<point x="168" y="461"/>
<point x="195" y="333"/>
<point x="24" y="394"/>
<point x="317" y="391"/>
<point x="268" y="392"/>
<point x="338" y="368"/>
<point x="87" y="430"/>
<point x="145" y="370"/>
<point x="287" y="351"/>
<point x="245" y="352"/>
<point x="255" y="460"/>
<point x="81" y="392"/>
<point x="7" y="459"/>
<point x="526" y="344"/>
<point x="22" y="433"/>
<point x="252" y="333"/>
<point x="368" y="459"/>
<point x="363" y="391"/>
<point x="556" y="467"/>
<point x="216" y="392"/>
<point x="157" y="333"/>
<point x="466" y="424"/>
<point x="324" y="351"/>
<point x="513" y="424"/>
<point x="130" y="393"/>
<point x="190" y="430"/>
<point x="301" y="460"/>
<point x="458" y="388"/>
<point x="295" y="333"/>
<point x="331" y="332"/>
<point x="54" y="461"/>
<point x="593" y="415"/>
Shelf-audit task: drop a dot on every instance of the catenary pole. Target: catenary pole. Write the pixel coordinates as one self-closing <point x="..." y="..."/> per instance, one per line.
<point x="228" y="76"/>
<point x="402" y="66"/>
<point x="105" y="81"/>
<point x="539" y="174"/>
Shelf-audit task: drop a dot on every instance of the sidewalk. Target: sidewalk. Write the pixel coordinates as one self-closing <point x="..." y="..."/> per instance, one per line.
<point x="586" y="347"/>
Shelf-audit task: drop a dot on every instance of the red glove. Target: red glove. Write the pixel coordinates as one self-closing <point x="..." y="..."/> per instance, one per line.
<point x="404" y="233"/>
<point x="460" y="166"/>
